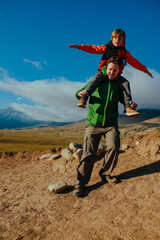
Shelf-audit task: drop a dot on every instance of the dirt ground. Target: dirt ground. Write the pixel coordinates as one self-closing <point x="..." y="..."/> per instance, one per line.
<point x="129" y="210"/>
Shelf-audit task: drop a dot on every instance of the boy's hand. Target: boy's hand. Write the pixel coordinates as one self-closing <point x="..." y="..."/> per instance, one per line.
<point x="149" y="74"/>
<point x="133" y="105"/>
<point x="73" y="46"/>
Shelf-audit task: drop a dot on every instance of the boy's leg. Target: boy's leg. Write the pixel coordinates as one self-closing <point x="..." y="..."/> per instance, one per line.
<point x="84" y="169"/>
<point x="90" y="89"/>
<point x="125" y="88"/>
<point x="111" y="156"/>
<point x="83" y="101"/>
<point x="94" y="83"/>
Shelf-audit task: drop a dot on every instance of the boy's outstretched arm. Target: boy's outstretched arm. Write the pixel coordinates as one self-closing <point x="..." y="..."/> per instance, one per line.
<point x="136" y="64"/>
<point x="90" y="48"/>
<point x="73" y="46"/>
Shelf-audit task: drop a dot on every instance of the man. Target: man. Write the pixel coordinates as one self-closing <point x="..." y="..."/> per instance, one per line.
<point x="102" y="120"/>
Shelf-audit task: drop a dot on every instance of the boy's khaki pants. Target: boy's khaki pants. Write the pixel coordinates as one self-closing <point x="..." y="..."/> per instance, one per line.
<point x="91" y="141"/>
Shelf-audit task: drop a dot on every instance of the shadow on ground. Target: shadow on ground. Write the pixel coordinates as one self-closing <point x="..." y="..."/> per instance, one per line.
<point x="141" y="171"/>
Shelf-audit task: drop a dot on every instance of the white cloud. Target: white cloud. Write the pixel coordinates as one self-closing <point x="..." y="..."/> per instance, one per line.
<point x="36" y="64"/>
<point x="54" y="99"/>
<point x="56" y="92"/>
<point x="145" y="90"/>
<point x="51" y="113"/>
<point x="18" y="98"/>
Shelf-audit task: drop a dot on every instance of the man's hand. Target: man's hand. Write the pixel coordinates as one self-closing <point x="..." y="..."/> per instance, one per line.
<point x="149" y="74"/>
<point x="133" y="105"/>
<point x="83" y="92"/>
<point x="73" y="46"/>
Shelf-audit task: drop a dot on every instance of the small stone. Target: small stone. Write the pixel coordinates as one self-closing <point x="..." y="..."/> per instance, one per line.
<point x="67" y="154"/>
<point x="54" y="156"/>
<point x="137" y="142"/>
<point x="57" y="187"/>
<point x="4" y="189"/>
<point x="124" y="146"/>
<point x="78" y="154"/>
<point x="74" y="146"/>
<point x="47" y="155"/>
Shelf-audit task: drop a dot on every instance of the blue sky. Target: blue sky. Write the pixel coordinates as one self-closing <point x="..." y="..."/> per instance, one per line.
<point x="39" y="74"/>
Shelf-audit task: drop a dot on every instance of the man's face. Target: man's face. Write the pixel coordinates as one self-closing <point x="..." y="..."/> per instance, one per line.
<point x="112" y="70"/>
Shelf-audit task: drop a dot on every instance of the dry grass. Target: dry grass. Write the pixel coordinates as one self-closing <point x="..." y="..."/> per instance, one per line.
<point x="41" y="138"/>
<point x="48" y="138"/>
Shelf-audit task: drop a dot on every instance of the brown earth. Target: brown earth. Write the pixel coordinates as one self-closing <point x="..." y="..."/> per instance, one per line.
<point x="129" y="210"/>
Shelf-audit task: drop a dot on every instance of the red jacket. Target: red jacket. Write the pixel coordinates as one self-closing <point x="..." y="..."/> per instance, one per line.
<point x="122" y="54"/>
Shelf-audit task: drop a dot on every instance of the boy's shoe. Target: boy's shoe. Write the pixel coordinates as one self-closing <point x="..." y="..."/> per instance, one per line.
<point x="81" y="104"/>
<point x="129" y="112"/>
<point x="78" y="191"/>
<point x="83" y="101"/>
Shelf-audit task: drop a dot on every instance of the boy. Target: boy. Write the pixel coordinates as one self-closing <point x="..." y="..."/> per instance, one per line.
<point x="116" y="47"/>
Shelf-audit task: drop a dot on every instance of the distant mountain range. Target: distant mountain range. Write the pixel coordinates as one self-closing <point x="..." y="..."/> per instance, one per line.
<point x="12" y="119"/>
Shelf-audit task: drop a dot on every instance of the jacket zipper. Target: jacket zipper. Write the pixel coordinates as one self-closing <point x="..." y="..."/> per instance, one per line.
<point x="109" y="87"/>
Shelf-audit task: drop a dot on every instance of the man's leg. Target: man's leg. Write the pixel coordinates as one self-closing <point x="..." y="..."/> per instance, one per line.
<point x="112" y="152"/>
<point x="84" y="169"/>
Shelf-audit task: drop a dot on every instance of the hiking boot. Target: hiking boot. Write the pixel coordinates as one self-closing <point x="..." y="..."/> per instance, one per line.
<point x="78" y="191"/>
<point x="129" y="112"/>
<point x="108" y="178"/>
<point x="103" y="177"/>
<point x="83" y="101"/>
<point x="111" y="180"/>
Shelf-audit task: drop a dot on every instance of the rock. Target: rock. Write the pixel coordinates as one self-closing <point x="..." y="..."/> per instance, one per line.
<point x="78" y="154"/>
<point x="74" y="146"/>
<point x="47" y="155"/>
<point x="137" y="143"/>
<point x="54" y="156"/>
<point x="57" y="187"/>
<point x="124" y="146"/>
<point x="67" y="154"/>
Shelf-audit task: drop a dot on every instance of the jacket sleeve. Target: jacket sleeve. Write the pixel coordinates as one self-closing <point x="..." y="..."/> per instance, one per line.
<point x="92" y="48"/>
<point x="135" y="63"/>
<point x="84" y="88"/>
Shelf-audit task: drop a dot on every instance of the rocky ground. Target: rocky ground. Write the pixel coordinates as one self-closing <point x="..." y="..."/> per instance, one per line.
<point x="129" y="210"/>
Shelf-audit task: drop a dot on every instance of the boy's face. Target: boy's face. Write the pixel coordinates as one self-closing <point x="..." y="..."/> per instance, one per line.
<point x="112" y="70"/>
<point x="117" y="41"/>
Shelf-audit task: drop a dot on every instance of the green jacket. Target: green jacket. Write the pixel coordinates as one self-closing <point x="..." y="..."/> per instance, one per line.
<point x="103" y="103"/>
